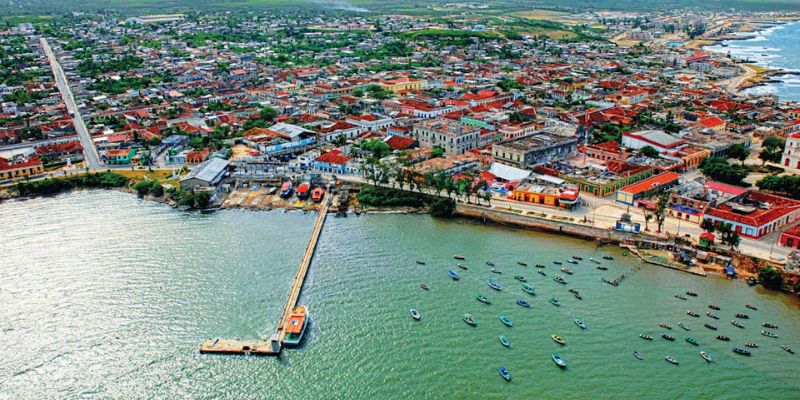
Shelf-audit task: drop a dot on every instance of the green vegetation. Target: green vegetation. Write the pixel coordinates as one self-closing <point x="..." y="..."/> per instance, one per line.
<point x="190" y="199"/>
<point x="770" y="278"/>
<point x="93" y="69"/>
<point x="719" y="169"/>
<point x="376" y="196"/>
<point x="52" y="186"/>
<point x="737" y="151"/>
<point x="443" y="208"/>
<point x="377" y="148"/>
<point x="787" y="185"/>
<point x="772" y="150"/>
<point x="649" y="151"/>
<point x="449" y="34"/>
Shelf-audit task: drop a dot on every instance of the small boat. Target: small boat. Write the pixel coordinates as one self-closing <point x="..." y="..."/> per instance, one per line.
<point x="496" y="271"/>
<point x="692" y="314"/>
<point x="706" y="356"/>
<point x="602" y="268"/>
<point x="560" y="280"/>
<point x="303" y="190"/>
<point x="506" y="321"/>
<point x="638" y="355"/>
<point x="286" y="190"/>
<point x="571" y="261"/>
<point x="520" y="278"/>
<point x="712" y="315"/>
<point x="559" y="361"/>
<point x="787" y="349"/>
<point x="468" y="319"/>
<point x="567" y="271"/>
<point x="769" y="334"/>
<point x="664" y="325"/>
<point x="625" y="254"/>
<point x="483" y="299"/>
<point x="709" y="326"/>
<point x="580" y="323"/>
<point x="740" y="351"/>
<point x="671" y="360"/>
<point x="457" y="257"/>
<point x="678" y="296"/>
<point x="494" y="285"/>
<point x="295" y="327"/>
<point x="723" y="338"/>
<point x="554" y="301"/>
<point x="558" y="339"/>
<point x="414" y="314"/>
<point x="579" y="258"/>
<point x="751" y="345"/>
<point x="528" y="289"/>
<point x="489" y="263"/>
<point x="577" y="295"/>
<point x="453" y="274"/>
<point x="462" y="266"/>
<point x="558" y="263"/>
<point x="737" y="324"/>
<point x="540" y="266"/>
<point x="682" y="325"/>
<point x="504" y="341"/>
<point x="743" y="316"/>
<point x="769" y="325"/>
<point x="752" y="281"/>
<point x="522" y="263"/>
<point x="713" y="307"/>
<point x="752" y="307"/>
<point x="424" y="287"/>
<point x="692" y="340"/>
<point x="505" y="374"/>
<point x="594" y="261"/>
<point x="542" y="273"/>
<point x="523" y="303"/>
<point x="645" y="337"/>
<point x="668" y="337"/>
<point x="317" y="194"/>
<point x="608" y="258"/>
<point x="420" y="262"/>
<point x="690" y="293"/>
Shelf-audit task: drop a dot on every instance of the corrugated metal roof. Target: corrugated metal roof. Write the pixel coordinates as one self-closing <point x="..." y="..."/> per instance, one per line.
<point x="208" y="171"/>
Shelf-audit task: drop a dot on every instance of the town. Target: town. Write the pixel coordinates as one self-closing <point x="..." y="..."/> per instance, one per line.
<point x="604" y="120"/>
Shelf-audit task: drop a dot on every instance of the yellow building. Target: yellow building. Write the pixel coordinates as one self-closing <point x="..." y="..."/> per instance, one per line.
<point x="404" y="84"/>
<point x="31" y="166"/>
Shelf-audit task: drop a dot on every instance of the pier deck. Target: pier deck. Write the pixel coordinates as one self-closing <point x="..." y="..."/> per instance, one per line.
<point x="273" y="346"/>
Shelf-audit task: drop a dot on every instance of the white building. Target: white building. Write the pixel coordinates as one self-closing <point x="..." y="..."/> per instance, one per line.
<point x="791" y="153"/>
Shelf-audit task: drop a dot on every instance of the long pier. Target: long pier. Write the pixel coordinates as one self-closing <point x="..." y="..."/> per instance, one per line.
<point x="274" y="345"/>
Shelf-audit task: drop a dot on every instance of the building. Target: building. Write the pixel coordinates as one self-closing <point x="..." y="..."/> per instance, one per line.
<point x="791" y="238"/>
<point x="207" y="174"/>
<point x="602" y="152"/>
<point x="404" y="84"/>
<point x="547" y="190"/>
<point x="600" y="181"/>
<point x="335" y="162"/>
<point x="20" y="168"/>
<point x="791" y="153"/>
<point x="119" y="156"/>
<point x="538" y="148"/>
<point x="755" y="214"/>
<point x="690" y="200"/>
<point x="630" y="195"/>
<point x="659" y="140"/>
<point x="453" y="137"/>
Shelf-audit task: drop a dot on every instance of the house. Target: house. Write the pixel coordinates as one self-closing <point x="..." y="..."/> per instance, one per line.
<point x="713" y="123"/>
<point x="20" y="167"/>
<point x="404" y="84"/>
<point x="630" y="195"/>
<point x="453" y="137"/>
<point x="706" y="240"/>
<point x="754" y="214"/>
<point x="537" y="148"/>
<point x="119" y="156"/>
<point x="335" y="162"/>
<point x="205" y="175"/>
<point x="791" y="153"/>
<point x="547" y="190"/>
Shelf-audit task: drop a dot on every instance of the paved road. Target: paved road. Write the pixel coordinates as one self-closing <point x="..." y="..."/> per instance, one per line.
<point x="90" y="152"/>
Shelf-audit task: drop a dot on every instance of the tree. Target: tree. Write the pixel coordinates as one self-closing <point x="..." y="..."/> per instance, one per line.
<point x="268" y="114"/>
<point x="729" y="236"/>
<point x="661" y="209"/>
<point x="443" y="208"/>
<point x="770" y="278"/>
<point x="649" y="151"/>
<point x="737" y="151"/>
<point x="142" y="187"/>
<point x="156" y="190"/>
<point x="719" y="169"/>
<point x="771" y="150"/>
<point x="437" y="152"/>
<point x="708" y="225"/>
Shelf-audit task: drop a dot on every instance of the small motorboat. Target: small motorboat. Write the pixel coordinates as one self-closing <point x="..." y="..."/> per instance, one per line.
<point x="424" y="287"/>
<point x="668" y="337"/>
<point x="723" y="338"/>
<point x="769" y="325"/>
<point x="787" y="349"/>
<point x="520" y="278"/>
<point x="594" y="261"/>
<point x="522" y="263"/>
<point x="671" y="360"/>
<point x="558" y="339"/>
<point x="505" y="374"/>
<point x="751" y="281"/>
<point x="523" y="303"/>
<point x="751" y="345"/>
<point x="468" y="319"/>
<point x="559" y="361"/>
<point x="414" y="313"/>
<point x="602" y="268"/>
<point x="458" y="257"/>
<point x="462" y="266"/>
<point x="692" y="314"/>
<point x="483" y="299"/>
<point x="608" y="258"/>
<point x="453" y="274"/>
<point x="567" y="271"/>
<point x="712" y="315"/>
<point x="625" y="254"/>
<point x="489" y="263"/>
<point x="645" y="337"/>
<point x="540" y="266"/>
<point x="740" y="351"/>
<point x="577" y="295"/>
<point x="571" y="261"/>
<point x="713" y="307"/>
<point x="560" y="280"/>
<point x="528" y="289"/>
<point x="737" y="324"/>
<point x="504" y="341"/>
<point x="690" y="293"/>
<point x="506" y="321"/>
<point x="554" y="301"/>
<point x="770" y="334"/>
<point x="420" y="262"/>
<point x="579" y="258"/>
<point x="752" y="307"/>
<point x="706" y="356"/>
<point x="558" y="263"/>
<point x="542" y="273"/>
<point x="580" y="323"/>
<point x="692" y="340"/>
<point x="679" y="296"/>
<point x="684" y="326"/>
<point x="709" y="326"/>
<point x="494" y="285"/>
<point x="664" y="325"/>
<point x="743" y="316"/>
<point x="638" y="355"/>
<point x="496" y="271"/>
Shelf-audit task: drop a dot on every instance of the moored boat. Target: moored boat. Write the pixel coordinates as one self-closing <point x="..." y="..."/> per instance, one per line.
<point x="542" y="273"/>
<point x="567" y="271"/>
<point x="751" y="281"/>
<point x="577" y="258"/>
<point x="489" y="263"/>
<point x="751" y="345"/>
<point x="571" y="261"/>
<point x="420" y="262"/>
<point x="580" y="323"/>
<point x="494" y="285"/>
<point x="692" y="340"/>
<point x="424" y="287"/>
<point x="559" y="280"/>
<point x="496" y="271"/>
<point x="665" y="325"/>
<point x="679" y="296"/>
<point x="295" y="327"/>
<point x="507" y="321"/>
<point x="737" y="324"/>
<point x="415" y="314"/>
<point x="453" y="274"/>
<point x="594" y="261"/>
<point x="740" y="351"/>
<point x="520" y="278"/>
<point x="286" y="189"/>
<point x="645" y="337"/>
<point x="483" y="299"/>
<point x="317" y="194"/>
<point x="522" y="263"/>
<point x="558" y="339"/>
<point x="770" y="334"/>
<point x="638" y="355"/>
<point x="713" y="307"/>
<point x="528" y="289"/>
<point x="709" y="326"/>
<point x="668" y="337"/>
<point x="690" y="293"/>
<point x="523" y="303"/>
<point x="684" y="326"/>
<point x="750" y="306"/>
<point x="559" y="361"/>
<point x="787" y="349"/>
<point x="743" y="316"/>
<point x="723" y="338"/>
<point x="303" y="190"/>
<point x="462" y="266"/>
<point x="554" y="301"/>
<point x="712" y="315"/>
<point x="505" y="374"/>
<point x="458" y="257"/>
<point x="671" y="360"/>
<point x="692" y="314"/>
<point x="558" y="263"/>
<point x="540" y="266"/>
<point x="769" y="325"/>
<point x="706" y="356"/>
<point x="602" y="268"/>
<point x="504" y="341"/>
<point x="468" y="319"/>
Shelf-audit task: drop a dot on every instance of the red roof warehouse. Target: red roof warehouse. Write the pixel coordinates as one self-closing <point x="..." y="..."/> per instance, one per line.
<point x="754" y="214"/>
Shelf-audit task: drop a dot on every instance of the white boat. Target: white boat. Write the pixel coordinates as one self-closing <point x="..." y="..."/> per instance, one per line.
<point x="295" y="327"/>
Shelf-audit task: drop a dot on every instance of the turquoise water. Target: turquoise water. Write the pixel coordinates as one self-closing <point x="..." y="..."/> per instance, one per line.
<point x="108" y="296"/>
<point x="776" y="47"/>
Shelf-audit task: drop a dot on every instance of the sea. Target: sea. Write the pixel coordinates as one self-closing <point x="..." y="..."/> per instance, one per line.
<point x="776" y="47"/>
<point x="105" y="295"/>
